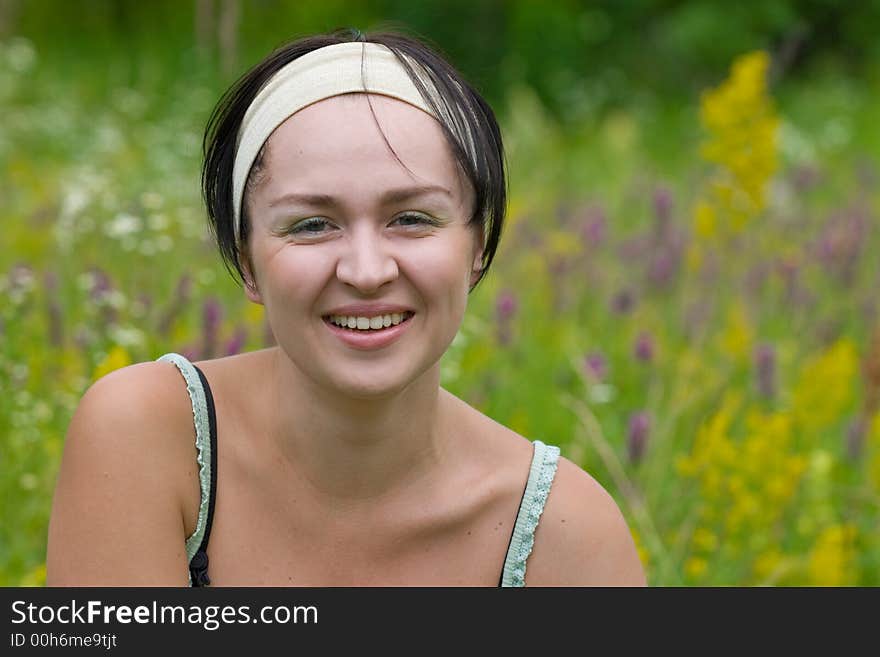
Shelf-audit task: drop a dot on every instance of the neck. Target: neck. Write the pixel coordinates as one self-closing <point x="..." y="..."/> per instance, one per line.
<point x="358" y="449"/>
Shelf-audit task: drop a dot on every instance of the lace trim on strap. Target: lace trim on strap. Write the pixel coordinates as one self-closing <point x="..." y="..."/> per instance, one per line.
<point x="203" y="445"/>
<point x="541" y="475"/>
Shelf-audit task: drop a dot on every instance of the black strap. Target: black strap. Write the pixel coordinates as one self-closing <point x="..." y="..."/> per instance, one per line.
<point x="501" y="579"/>
<point x="198" y="565"/>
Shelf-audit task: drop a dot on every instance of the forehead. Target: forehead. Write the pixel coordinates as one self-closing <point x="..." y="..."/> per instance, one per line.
<point x="346" y="136"/>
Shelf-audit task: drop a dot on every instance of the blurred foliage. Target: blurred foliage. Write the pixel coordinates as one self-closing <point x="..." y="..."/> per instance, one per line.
<point x="578" y="56"/>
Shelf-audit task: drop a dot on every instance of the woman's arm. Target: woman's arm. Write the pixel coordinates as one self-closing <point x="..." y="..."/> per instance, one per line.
<point x="128" y="463"/>
<point x="582" y="538"/>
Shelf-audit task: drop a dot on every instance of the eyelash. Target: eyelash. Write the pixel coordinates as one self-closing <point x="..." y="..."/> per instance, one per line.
<point x="300" y="227"/>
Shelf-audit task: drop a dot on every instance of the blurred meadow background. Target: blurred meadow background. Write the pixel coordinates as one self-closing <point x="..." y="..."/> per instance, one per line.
<point x="685" y="298"/>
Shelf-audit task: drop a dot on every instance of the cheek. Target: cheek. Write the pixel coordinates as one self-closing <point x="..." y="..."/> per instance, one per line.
<point x="440" y="270"/>
<point x="289" y="274"/>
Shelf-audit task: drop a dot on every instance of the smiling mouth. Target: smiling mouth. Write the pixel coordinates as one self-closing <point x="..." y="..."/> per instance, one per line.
<point x="408" y="315"/>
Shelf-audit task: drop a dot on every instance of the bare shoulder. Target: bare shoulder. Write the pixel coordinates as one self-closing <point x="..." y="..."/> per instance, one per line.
<point x="128" y="467"/>
<point x="582" y="538"/>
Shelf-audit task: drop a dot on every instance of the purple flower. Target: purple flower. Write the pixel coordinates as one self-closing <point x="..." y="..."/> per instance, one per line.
<point x="842" y="242"/>
<point x="805" y="178"/>
<point x="84" y="339"/>
<point x="178" y="303"/>
<point x="765" y="366"/>
<point x="695" y="316"/>
<point x="190" y="352"/>
<point x="183" y="289"/>
<point x="789" y="270"/>
<point x="505" y="305"/>
<point x="53" y="310"/>
<point x="635" y="248"/>
<point x="596" y="365"/>
<point x="644" y="348"/>
<point x="623" y="302"/>
<point x="236" y="342"/>
<point x="144" y="303"/>
<point x="663" y="266"/>
<point x="637" y="435"/>
<point x="663" y="210"/>
<point x="212" y="312"/>
<point x="756" y="276"/>
<point x="101" y="285"/>
<point x="99" y="293"/>
<point x="594" y="227"/>
<point x="855" y="437"/>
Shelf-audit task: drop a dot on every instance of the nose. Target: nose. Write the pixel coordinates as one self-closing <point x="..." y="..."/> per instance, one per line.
<point x="366" y="262"/>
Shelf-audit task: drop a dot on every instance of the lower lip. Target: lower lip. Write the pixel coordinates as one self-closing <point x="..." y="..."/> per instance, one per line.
<point x="367" y="340"/>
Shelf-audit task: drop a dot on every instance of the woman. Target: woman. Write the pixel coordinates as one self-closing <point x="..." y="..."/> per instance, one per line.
<point x="356" y="185"/>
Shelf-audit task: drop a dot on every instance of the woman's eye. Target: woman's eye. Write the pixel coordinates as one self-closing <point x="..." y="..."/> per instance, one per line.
<point x="311" y="226"/>
<point x="420" y="219"/>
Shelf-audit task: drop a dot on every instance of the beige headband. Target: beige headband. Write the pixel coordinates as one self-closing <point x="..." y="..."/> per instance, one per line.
<point x="342" y="68"/>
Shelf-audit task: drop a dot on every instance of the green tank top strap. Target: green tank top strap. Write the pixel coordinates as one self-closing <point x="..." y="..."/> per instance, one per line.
<point x="541" y="474"/>
<point x="203" y="445"/>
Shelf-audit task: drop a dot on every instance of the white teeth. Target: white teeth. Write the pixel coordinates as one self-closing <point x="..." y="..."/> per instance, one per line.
<point x="365" y="323"/>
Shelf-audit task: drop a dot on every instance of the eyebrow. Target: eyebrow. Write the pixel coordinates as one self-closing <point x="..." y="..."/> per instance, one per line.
<point x="389" y="197"/>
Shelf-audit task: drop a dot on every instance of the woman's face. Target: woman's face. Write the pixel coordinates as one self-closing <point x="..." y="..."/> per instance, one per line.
<point x="337" y="220"/>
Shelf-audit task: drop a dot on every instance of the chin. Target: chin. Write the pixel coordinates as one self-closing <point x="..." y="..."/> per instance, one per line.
<point x="373" y="391"/>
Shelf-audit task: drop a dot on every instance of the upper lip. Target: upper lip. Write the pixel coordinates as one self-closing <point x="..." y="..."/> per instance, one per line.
<point x="368" y="310"/>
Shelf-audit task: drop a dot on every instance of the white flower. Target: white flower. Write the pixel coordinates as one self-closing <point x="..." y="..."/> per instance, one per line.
<point x="74" y="200"/>
<point x="127" y="336"/>
<point x="152" y="201"/>
<point x="85" y="281"/>
<point x="122" y="225"/>
<point x="602" y="393"/>
<point x="21" y="55"/>
<point x="164" y="243"/>
<point x="28" y="481"/>
<point x="115" y="299"/>
<point x="158" y="222"/>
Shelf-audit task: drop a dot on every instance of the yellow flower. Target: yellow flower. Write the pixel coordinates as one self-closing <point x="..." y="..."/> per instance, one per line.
<point x="704" y="540"/>
<point x="825" y="386"/>
<point x="738" y="335"/>
<point x="832" y="560"/>
<point x="253" y="314"/>
<point x="748" y="478"/>
<point x="644" y="555"/>
<point x="741" y="126"/>
<point x="705" y="220"/>
<point x="116" y="359"/>
<point x="35" y="577"/>
<point x="696" y="567"/>
<point x="774" y="567"/>
<point x="561" y="242"/>
<point x="873" y="443"/>
<point x="694" y="257"/>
